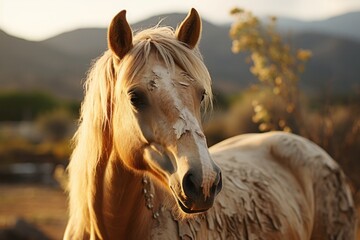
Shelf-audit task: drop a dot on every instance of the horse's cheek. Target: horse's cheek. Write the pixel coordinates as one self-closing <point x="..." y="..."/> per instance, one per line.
<point x="132" y="159"/>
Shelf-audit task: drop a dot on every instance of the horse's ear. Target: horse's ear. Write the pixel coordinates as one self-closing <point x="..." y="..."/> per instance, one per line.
<point x="120" y="35"/>
<point x="189" y="30"/>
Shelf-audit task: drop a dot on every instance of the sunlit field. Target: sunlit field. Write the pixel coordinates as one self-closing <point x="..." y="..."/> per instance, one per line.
<point x="43" y="207"/>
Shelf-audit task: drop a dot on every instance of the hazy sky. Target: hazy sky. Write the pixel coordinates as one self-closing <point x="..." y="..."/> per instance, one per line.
<point x="40" y="19"/>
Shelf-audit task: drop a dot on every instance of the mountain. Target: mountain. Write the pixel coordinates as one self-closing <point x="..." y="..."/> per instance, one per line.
<point x="59" y="64"/>
<point x="335" y="63"/>
<point x="343" y="26"/>
<point x="88" y="42"/>
<point x="32" y="65"/>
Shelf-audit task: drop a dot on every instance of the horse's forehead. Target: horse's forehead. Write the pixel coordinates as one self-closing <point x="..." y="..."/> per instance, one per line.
<point x="162" y="74"/>
<point x="159" y="78"/>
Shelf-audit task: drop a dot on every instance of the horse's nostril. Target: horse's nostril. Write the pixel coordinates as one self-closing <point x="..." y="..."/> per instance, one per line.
<point x="192" y="186"/>
<point x="189" y="185"/>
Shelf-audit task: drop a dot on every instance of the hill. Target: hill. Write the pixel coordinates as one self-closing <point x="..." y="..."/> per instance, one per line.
<point x="32" y="65"/>
<point x="334" y="66"/>
<point x="343" y="26"/>
<point x="59" y="64"/>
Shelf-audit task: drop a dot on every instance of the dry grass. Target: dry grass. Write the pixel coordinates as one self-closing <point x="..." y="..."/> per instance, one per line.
<point x="42" y="206"/>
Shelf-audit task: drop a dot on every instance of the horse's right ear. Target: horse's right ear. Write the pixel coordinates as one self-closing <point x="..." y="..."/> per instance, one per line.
<point x="120" y="35"/>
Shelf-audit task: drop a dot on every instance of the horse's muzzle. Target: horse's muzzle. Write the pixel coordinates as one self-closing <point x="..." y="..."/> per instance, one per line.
<point x="191" y="198"/>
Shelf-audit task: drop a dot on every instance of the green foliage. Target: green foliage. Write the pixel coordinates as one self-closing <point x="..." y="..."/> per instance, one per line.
<point x="16" y="106"/>
<point x="19" y="106"/>
<point x="35" y="126"/>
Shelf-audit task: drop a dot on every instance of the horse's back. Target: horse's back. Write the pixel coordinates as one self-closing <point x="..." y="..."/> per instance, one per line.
<point x="281" y="186"/>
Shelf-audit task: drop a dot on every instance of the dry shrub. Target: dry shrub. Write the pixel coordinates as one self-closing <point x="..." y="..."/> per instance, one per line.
<point x="337" y="130"/>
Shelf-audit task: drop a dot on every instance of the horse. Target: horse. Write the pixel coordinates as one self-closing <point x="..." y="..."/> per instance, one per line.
<point x="141" y="168"/>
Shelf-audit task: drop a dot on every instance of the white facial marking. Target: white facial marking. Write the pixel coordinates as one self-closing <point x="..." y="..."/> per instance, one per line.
<point x="209" y="175"/>
<point x="187" y="123"/>
<point x="184" y="84"/>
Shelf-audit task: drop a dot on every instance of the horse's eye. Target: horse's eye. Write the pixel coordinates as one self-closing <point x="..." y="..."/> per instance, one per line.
<point x="138" y="99"/>
<point x="203" y="95"/>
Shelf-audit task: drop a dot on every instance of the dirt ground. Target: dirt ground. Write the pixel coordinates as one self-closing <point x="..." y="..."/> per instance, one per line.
<point x="43" y="206"/>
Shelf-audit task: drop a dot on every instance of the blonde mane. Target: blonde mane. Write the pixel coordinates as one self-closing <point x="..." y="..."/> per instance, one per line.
<point x="93" y="140"/>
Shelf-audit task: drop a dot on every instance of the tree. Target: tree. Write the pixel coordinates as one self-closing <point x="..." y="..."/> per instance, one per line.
<point x="276" y="65"/>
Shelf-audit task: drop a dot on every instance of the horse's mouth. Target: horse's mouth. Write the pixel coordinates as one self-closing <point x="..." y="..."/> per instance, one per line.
<point x="185" y="206"/>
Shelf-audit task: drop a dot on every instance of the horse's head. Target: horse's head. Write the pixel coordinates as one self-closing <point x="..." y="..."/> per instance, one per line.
<point x="162" y="84"/>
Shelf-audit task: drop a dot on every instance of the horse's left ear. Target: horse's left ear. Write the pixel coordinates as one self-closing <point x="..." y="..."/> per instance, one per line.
<point x="120" y="35"/>
<point x="189" y="30"/>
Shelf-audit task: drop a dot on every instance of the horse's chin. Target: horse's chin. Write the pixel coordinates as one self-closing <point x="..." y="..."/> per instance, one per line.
<point x="189" y="210"/>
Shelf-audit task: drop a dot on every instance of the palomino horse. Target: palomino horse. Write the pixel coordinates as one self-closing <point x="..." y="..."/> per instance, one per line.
<point x="141" y="167"/>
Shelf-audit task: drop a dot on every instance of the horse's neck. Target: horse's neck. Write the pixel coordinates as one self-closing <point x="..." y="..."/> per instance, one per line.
<point x="123" y="209"/>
